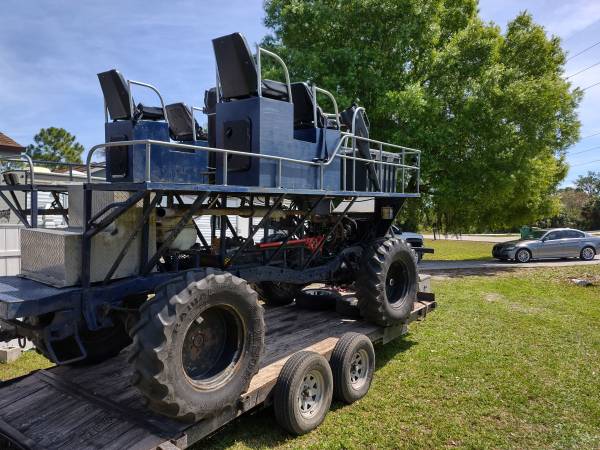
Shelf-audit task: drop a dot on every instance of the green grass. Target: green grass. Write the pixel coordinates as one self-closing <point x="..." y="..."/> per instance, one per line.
<point x="28" y="362"/>
<point x="510" y="361"/>
<point x="504" y="362"/>
<point x="447" y="250"/>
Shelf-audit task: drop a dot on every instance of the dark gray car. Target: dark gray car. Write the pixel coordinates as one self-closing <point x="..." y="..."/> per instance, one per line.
<point x="544" y="244"/>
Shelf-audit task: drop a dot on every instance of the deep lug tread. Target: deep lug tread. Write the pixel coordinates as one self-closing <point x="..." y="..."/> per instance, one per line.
<point x="371" y="281"/>
<point x="152" y="339"/>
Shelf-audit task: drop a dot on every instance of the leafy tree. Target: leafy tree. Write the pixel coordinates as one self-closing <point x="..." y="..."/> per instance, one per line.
<point x="55" y="144"/>
<point x="490" y="111"/>
<point x="590" y="183"/>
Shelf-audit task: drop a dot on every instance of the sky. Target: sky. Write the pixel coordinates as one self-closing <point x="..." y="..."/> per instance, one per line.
<point x="51" y="51"/>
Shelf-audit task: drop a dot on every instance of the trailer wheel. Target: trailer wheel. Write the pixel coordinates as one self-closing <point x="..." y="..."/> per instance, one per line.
<point x="302" y="395"/>
<point x="352" y="364"/>
<point x="278" y="294"/>
<point x="197" y="345"/>
<point x="387" y="284"/>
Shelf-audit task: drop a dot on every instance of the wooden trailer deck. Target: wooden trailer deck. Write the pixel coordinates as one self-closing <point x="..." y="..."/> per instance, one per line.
<point x="95" y="407"/>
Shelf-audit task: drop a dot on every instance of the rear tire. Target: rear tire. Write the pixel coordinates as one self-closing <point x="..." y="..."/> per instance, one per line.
<point x="197" y="345"/>
<point x="387" y="284"/>
<point x="587" y="253"/>
<point x="303" y="392"/>
<point x="352" y="364"/>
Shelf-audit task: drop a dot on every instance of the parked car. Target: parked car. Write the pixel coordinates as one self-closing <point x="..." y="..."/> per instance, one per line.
<point x="415" y="240"/>
<point x="553" y="243"/>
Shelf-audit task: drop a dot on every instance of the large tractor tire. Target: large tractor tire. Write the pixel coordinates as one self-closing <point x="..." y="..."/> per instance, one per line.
<point x="387" y="285"/>
<point x="197" y="345"/>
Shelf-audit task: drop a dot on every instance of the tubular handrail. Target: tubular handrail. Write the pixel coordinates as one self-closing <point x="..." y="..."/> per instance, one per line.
<point x="316" y="89"/>
<point x="195" y="108"/>
<point x="280" y="159"/>
<point x="149" y="86"/>
<point x="260" y="50"/>
<point x="24" y="157"/>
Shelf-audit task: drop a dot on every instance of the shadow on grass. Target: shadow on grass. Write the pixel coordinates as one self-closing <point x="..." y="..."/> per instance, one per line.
<point x="258" y="428"/>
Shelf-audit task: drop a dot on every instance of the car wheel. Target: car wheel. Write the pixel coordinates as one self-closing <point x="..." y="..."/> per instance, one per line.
<point x="523" y="256"/>
<point x="587" y="253"/>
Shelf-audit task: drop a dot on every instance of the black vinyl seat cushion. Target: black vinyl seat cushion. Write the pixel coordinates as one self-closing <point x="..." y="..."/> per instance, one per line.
<point x="143" y="112"/>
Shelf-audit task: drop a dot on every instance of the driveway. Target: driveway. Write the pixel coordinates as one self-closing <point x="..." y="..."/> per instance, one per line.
<point x="494" y="238"/>
<point x="431" y="266"/>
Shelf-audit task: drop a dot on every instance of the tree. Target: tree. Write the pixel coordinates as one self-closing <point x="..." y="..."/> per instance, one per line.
<point x="490" y="111"/>
<point x="590" y="183"/>
<point x="55" y="144"/>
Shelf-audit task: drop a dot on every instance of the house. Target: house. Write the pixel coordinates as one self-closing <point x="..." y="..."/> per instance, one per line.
<point x="9" y="147"/>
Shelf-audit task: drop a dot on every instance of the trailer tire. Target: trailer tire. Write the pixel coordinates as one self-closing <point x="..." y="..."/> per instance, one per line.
<point x="303" y="392"/>
<point x="317" y="299"/>
<point x="197" y="345"/>
<point x="277" y="294"/>
<point x="352" y="364"/>
<point x="387" y="284"/>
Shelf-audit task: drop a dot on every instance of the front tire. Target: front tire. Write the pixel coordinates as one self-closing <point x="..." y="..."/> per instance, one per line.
<point x="197" y="345"/>
<point x="387" y="284"/>
<point x="523" y="256"/>
<point x="587" y="253"/>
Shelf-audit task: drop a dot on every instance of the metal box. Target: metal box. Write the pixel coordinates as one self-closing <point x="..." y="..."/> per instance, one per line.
<point x="53" y="256"/>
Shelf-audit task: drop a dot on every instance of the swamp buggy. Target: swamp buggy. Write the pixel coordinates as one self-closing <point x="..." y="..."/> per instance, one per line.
<point x="151" y="259"/>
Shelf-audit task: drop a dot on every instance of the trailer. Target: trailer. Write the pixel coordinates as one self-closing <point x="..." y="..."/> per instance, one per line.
<point x="96" y="407"/>
<point x="134" y="270"/>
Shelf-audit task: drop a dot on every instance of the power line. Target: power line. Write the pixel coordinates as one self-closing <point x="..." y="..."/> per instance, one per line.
<point x="585" y="151"/>
<point x="585" y="163"/>
<point x="583" y="70"/>
<point x="583" y="51"/>
<point x="591" y="86"/>
<point x="590" y="135"/>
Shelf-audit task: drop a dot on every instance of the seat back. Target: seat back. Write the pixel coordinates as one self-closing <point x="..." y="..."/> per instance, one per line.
<point x="180" y="122"/>
<point x="304" y="104"/>
<point x="116" y="95"/>
<point x="237" y="69"/>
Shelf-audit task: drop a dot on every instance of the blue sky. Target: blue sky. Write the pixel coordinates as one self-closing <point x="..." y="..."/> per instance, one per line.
<point x="51" y="50"/>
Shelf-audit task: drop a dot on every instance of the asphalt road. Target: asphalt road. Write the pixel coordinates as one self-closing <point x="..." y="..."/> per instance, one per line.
<point x="430" y="266"/>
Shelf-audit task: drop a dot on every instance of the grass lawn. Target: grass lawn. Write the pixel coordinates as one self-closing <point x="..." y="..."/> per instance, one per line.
<point x="511" y="361"/>
<point x="505" y="362"/>
<point x="447" y="250"/>
<point x="28" y="362"/>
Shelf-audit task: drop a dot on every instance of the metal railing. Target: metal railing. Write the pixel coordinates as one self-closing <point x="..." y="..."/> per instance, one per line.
<point x="259" y="51"/>
<point x="322" y="165"/>
<point x="131" y="102"/>
<point x="32" y="164"/>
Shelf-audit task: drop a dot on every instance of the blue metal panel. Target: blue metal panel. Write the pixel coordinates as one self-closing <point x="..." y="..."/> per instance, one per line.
<point x="168" y="164"/>
<point x="20" y="297"/>
<point x="272" y="133"/>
